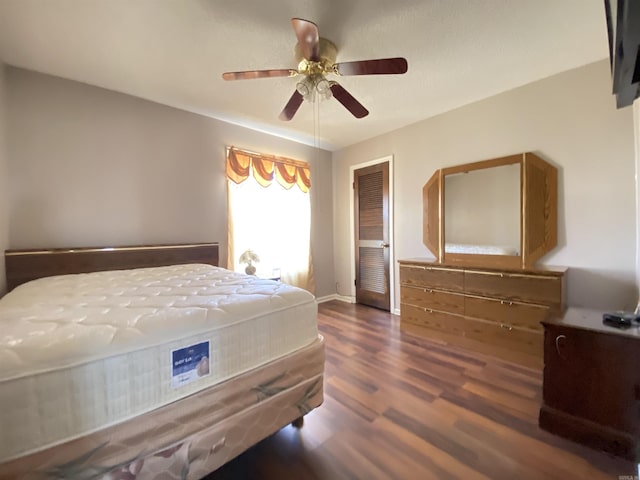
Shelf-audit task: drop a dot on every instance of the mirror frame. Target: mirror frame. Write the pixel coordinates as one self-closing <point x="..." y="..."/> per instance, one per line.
<point x="538" y="213"/>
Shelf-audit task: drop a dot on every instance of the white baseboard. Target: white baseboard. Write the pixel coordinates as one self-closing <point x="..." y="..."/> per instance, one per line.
<point x="335" y="296"/>
<point x="346" y="299"/>
<point x="326" y="298"/>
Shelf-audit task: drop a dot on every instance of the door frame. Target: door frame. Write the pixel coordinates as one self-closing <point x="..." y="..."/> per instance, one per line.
<point x="352" y="230"/>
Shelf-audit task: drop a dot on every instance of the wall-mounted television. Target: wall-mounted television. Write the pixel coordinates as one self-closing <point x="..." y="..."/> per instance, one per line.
<point x="623" y="27"/>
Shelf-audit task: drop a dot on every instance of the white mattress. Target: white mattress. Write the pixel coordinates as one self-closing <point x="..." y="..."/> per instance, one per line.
<point x="82" y="352"/>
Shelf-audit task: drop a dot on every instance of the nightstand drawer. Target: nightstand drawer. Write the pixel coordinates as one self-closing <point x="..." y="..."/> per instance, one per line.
<point x="432" y="277"/>
<point x="433" y="299"/>
<point x="505" y="311"/>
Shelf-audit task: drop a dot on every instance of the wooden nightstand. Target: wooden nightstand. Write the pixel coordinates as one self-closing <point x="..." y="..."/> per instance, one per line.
<point x="591" y="385"/>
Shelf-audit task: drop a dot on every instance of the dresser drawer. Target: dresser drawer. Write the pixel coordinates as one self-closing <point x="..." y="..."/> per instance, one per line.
<point x="432" y="319"/>
<point x="433" y="299"/>
<point x="505" y="311"/>
<point x="432" y="277"/>
<point x="540" y="289"/>
<point x="503" y="335"/>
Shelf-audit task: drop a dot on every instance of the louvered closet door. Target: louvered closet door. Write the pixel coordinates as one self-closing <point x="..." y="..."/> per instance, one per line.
<point x="372" y="235"/>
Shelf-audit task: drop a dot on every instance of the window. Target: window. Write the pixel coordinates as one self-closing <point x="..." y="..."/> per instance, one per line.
<point x="270" y="214"/>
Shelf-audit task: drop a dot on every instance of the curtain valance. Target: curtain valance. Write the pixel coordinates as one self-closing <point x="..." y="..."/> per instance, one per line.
<point x="286" y="171"/>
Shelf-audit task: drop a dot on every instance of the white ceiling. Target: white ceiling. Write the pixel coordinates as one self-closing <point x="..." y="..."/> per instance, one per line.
<point x="174" y="52"/>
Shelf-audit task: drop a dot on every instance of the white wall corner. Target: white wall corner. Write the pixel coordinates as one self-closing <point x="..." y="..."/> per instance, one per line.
<point x="636" y="132"/>
<point x="4" y="179"/>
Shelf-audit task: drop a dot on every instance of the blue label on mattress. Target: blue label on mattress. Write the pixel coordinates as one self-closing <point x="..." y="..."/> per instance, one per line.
<point x="189" y="364"/>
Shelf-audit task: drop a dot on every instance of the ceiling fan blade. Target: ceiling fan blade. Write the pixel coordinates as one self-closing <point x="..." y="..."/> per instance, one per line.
<point x="308" y="38"/>
<point x="291" y="107"/>
<point x="346" y="99"/>
<point x="383" y="66"/>
<point x="251" y="74"/>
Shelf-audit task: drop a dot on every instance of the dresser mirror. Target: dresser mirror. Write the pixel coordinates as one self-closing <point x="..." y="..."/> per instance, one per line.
<point x="482" y="211"/>
<point x="494" y="213"/>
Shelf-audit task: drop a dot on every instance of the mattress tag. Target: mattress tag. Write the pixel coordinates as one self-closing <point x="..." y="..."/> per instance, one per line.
<point x="189" y="364"/>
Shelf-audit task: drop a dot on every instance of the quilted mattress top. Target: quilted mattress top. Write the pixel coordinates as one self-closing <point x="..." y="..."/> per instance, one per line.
<point x="66" y="320"/>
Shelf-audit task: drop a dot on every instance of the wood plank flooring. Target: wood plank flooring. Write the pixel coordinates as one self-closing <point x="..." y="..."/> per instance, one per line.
<point x="401" y="407"/>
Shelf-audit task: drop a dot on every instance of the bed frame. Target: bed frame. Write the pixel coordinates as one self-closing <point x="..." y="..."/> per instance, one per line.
<point x="192" y="436"/>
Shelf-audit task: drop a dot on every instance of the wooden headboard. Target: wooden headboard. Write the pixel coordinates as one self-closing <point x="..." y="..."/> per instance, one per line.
<point x="25" y="265"/>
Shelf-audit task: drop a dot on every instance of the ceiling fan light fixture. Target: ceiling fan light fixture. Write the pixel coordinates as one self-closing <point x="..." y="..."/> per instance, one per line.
<point x="323" y="88"/>
<point x="306" y="88"/>
<point x="316" y="57"/>
<point x="303" y="87"/>
<point x="314" y="87"/>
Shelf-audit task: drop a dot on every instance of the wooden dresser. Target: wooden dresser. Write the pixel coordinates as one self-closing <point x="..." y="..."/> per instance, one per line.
<point x="493" y="311"/>
<point x="591" y="385"/>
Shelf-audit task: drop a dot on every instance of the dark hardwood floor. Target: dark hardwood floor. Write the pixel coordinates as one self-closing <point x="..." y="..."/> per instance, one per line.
<point x="401" y="407"/>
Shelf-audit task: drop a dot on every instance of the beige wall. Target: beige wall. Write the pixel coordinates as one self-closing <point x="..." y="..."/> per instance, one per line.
<point x="568" y="119"/>
<point x="94" y="167"/>
<point x="4" y="195"/>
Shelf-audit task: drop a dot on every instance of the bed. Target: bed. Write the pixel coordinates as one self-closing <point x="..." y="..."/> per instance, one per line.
<point x="147" y="362"/>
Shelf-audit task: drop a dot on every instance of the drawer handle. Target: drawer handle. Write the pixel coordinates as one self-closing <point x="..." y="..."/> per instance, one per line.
<point x="558" y="338"/>
<point x="506" y="327"/>
<point x="427" y="290"/>
<point x="502" y="302"/>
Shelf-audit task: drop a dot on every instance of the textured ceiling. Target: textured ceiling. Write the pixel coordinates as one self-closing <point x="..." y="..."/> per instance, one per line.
<point x="174" y="52"/>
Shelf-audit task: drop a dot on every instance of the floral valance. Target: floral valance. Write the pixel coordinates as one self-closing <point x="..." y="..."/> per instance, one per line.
<point x="287" y="172"/>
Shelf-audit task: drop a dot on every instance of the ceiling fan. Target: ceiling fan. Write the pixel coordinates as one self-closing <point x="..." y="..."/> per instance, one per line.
<point x="316" y="58"/>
